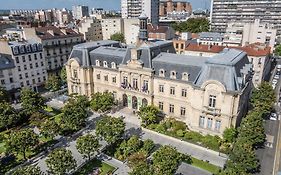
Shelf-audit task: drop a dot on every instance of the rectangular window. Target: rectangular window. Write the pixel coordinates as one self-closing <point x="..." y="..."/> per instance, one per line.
<point x="23" y="58"/>
<point x="218" y="125"/>
<point x="27" y="82"/>
<point x="25" y="67"/>
<point x="17" y="59"/>
<point x="2" y="82"/>
<point x="161" y="105"/>
<point x="36" y="64"/>
<point x="135" y="83"/>
<point x="21" y="84"/>
<point x="19" y="69"/>
<point x="172" y="90"/>
<point x="212" y="101"/>
<point x="182" y="111"/>
<point x="39" y="79"/>
<point x="125" y="81"/>
<point x="31" y="66"/>
<point x="183" y="92"/>
<point x="202" y="121"/>
<point x="41" y="57"/>
<point x="29" y="57"/>
<point x="106" y="78"/>
<point x="161" y="88"/>
<point x="113" y="79"/>
<point x="11" y="80"/>
<point x="75" y="75"/>
<point x="172" y="108"/>
<point x="209" y="123"/>
<point x="145" y="85"/>
<point x="20" y="76"/>
<point x="98" y="76"/>
<point x="42" y="63"/>
<point x="26" y="75"/>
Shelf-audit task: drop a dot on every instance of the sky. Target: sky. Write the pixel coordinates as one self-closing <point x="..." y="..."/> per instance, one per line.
<point x="106" y="4"/>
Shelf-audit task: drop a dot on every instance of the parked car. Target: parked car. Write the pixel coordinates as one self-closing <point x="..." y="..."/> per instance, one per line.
<point x="278" y="72"/>
<point x="273" y="86"/>
<point x="279" y="66"/>
<point x="276" y="76"/>
<point x="273" y="116"/>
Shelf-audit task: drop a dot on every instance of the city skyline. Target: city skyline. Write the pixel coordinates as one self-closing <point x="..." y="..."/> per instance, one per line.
<point x="110" y="4"/>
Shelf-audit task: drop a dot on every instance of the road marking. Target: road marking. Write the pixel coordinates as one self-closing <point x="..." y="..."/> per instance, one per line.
<point x="269" y="141"/>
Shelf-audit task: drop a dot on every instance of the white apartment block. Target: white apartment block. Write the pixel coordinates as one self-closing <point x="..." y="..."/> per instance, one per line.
<point x="248" y="33"/>
<point x="131" y="30"/>
<point x="111" y="26"/>
<point x="29" y="64"/>
<point x="91" y="29"/>
<point x="225" y="11"/>
<point x="57" y="43"/>
<point x="7" y="72"/>
<point x="134" y="8"/>
<point x="80" y="11"/>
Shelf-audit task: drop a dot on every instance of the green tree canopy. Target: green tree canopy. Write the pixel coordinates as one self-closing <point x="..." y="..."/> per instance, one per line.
<point x="102" y="101"/>
<point x="87" y="145"/>
<point x="31" y="101"/>
<point x="53" y="83"/>
<point x="193" y="25"/>
<point x="137" y="158"/>
<point x="118" y="37"/>
<point x="142" y="169"/>
<point x="111" y="129"/>
<point x="8" y="115"/>
<point x="63" y="75"/>
<point x="166" y="160"/>
<point x="28" y="170"/>
<point x="278" y="50"/>
<point x="22" y="141"/>
<point x="229" y="134"/>
<point x="252" y="128"/>
<point x="60" y="161"/>
<point x="50" y="129"/>
<point x="263" y="98"/>
<point x="4" y="97"/>
<point x="148" y="114"/>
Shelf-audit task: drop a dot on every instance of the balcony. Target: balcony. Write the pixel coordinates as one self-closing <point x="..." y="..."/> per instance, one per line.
<point x="127" y="86"/>
<point x="212" y="111"/>
<point x="75" y="80"/>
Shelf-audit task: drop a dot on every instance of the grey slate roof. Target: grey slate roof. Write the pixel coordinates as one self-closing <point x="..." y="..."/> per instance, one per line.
<point x="6" y="62"/>
<point x="211" y="36"/>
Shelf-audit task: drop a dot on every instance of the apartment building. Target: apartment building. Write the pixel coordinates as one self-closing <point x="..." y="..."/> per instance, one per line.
<point x="225" y="11"/>
<point x="174" y="9"/>
<point x="7" y="72"/>
<point x="160" y="32"/>
<point x="80" y="11"/>
<point x="57" y="44"/>
<point x="91" y="29"/>
<point x="258" y="56"/>
<point x="131" y="30"/>
<point x="28" y="63"/>
<point x="111" y="26"/>
<point x="134" y="8"/>
<point x="210" y="38"/>
<point x="241" y="34"/>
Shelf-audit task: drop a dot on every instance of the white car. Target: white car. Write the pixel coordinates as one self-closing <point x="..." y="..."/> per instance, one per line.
<point x="274" y="81"/>
<point x="276" y="77"/>
<point x="273" y="116"/>
<point x="279" y="66"/>
<point x="273" y="86"/>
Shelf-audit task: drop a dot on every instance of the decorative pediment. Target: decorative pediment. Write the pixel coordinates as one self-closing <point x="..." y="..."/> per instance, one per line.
<point x="134" y="62"/>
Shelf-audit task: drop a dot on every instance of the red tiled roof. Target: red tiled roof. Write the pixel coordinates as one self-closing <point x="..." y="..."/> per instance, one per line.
<point x="43" y="33"/>
<point x="157" y="29"/>
<point x="255" y="49"/>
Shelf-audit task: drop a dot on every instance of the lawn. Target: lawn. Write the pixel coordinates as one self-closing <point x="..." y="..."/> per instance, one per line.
<point x="204" y="165"/>
<point x="91" y="165"/>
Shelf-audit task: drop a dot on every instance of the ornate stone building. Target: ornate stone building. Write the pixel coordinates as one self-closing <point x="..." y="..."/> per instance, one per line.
<point x="208" y="93"/>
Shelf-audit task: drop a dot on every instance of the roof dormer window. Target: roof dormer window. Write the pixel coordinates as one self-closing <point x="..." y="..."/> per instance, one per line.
<point x="113" y="65"/>
<point x="105" y="64"/>
<point x="185" y="76"/>
<point x="173" y="74"/>
<point x="97" y="63"/>
<point x="162" y="73"/>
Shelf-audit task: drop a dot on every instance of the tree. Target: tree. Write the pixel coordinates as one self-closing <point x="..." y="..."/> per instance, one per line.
<point x="129" y="147"/>
<point x="102" y="101"/>
<point x="31" y="101"/>
<point x="278" y="50"/>
<point x="142" y="169"/>
<point x="118" y="37"/>
<point x="229" y="134"/>
<point x="166" y="160"/>
<point x="81" y="101"/>
<point x="148" y="114"/>
<point x="8" y="115"/>
<point x="252" y="128"/>
<point x="148" y="146"/>
<point x="53" y="83"/>
<point x="193" y="25"/>
<point x="262" y="98"/>
<point x="87" y="145"/>
<point x="74" y="115"/>
<point x="4" y="97"/>
<point x="63" y="75"/>
<point x="110" y="129"/>
<point x="60" y="161"/>
<point x="242" y="159"/>
<point x="36" y="118"/>
<point x="22" y="141"/>
<point x="50" y="129"/>
<point x="28" y="170"/>
<point x="137" y="158"/>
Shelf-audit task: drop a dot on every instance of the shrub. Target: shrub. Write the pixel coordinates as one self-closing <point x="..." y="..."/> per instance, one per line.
<point x="193" y="136"/>
<point x="180" y="133"/>
<point x="160" y="128"/>
<point x="152" y="126"/>
<point x="148" y="145"/>
<point x="212" y="142"/>
<point x="178" y="125"/>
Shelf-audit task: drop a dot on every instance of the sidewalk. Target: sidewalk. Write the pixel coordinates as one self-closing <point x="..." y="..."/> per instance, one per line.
<point x="195" y="151"/>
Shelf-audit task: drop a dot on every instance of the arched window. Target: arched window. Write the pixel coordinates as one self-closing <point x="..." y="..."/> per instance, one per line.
<point x="162" y="73"/>
<point x="105" y="64"/>
<point x="113" y="65"/>
<point x="173" y="74"/>
<point x="97" y="63"/>
<point x="185" y="76"/>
